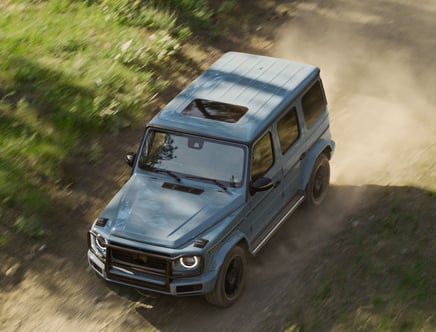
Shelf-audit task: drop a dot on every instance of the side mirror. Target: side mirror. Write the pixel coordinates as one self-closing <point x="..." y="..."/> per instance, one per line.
<point x="261" y="184"/>
<point x="130" y="158"/>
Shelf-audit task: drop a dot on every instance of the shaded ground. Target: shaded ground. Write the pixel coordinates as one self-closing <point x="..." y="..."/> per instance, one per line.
<point x="377" y="273"/>
<point x="383" y="119"/>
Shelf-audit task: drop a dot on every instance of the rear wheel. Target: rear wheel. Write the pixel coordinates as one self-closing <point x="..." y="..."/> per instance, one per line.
<point x="231" y="279"/>
<point x="316" y="189"/>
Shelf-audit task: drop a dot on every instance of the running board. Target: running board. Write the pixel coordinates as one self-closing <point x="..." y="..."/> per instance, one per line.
<point x="271" y="228"/>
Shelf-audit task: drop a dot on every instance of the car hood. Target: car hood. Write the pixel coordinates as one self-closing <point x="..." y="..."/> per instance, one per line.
<point x="145" y="210"/>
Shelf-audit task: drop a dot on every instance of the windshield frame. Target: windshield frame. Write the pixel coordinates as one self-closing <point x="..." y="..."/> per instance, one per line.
<point x="193" y="177"/>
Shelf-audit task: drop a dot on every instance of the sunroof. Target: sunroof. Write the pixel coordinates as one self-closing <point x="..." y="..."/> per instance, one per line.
<point x="214" y="110"/>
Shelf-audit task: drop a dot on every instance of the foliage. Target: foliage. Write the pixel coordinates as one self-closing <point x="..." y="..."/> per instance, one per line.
<point x="227" y="6"/>
<point x="70" y="70"/>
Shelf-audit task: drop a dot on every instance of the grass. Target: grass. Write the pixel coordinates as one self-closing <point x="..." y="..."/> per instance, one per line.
<point x="31" y="226"/>
<point x="377" y="276"/>
<point x="71" y="70"/>
<point x="3" y="240"/>
<point x="227" y="6"/>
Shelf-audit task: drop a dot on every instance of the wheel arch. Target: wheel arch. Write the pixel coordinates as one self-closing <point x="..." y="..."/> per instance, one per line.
<point x="322" y="147"/>
<point x="227" y="290"/>
<point x="236" y="239"/>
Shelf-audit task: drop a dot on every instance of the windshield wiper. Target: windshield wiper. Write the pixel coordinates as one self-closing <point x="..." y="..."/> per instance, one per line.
<point x="159" y="170"/>
<point x="218" y="183"/>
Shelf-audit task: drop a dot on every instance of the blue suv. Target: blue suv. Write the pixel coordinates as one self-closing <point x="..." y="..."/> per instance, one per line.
<point x="218" y="170"/>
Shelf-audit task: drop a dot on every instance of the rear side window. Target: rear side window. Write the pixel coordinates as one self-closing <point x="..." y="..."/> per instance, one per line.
<point x="288" y="130"/>
<point x="313" y="103"/>
<point x="262" y="158"/>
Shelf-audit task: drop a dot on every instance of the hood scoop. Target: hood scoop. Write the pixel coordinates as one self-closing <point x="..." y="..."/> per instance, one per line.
<point x="179" y="187"/>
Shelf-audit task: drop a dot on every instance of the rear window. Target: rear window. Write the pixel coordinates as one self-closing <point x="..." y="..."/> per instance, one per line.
<point x="313" y="103"/>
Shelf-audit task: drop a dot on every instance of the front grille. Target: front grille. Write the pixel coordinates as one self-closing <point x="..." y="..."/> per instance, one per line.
<point x="144" y="261"/>
<point x="154" y="268"/>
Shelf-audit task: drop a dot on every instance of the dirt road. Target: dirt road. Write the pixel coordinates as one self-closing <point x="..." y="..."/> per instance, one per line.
<point x="378" y="60"/>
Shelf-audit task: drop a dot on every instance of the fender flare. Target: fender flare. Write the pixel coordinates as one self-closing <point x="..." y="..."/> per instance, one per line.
<point x="222" y="250"/>
<point x="321" y="147"/>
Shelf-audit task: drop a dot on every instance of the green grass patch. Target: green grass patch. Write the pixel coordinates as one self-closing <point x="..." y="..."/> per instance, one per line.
<point x="30" y="226"/>
<point x="377" y="276"/>
<point x="70" y="70"/>
<point x="3" y="240"/>
<point x="227" y="6"/>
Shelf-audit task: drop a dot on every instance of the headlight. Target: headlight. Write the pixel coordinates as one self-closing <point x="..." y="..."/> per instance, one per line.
<point x="101" y="243"/>
<point x="189" y="262"/>
<point x="98" y="244"/>
<point x="187" y="265"/>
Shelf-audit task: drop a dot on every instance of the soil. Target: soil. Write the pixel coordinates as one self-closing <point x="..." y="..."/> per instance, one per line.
<point x="378" y="62"/>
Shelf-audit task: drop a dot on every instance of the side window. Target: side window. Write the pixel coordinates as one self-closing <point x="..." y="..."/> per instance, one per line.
<point x="313" y="103"/>
<point x="288" y="130"/>
<point x="262" y="158"/>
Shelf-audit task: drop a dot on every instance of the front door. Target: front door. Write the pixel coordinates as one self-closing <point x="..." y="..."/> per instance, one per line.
<point x="264" y="205"/>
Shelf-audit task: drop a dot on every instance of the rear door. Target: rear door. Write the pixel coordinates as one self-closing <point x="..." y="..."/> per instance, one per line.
<point x="292" y="150"/>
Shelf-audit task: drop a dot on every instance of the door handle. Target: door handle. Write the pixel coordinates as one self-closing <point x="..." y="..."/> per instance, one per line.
<point x="277" y="184"/>
<point x="303" y="155"/>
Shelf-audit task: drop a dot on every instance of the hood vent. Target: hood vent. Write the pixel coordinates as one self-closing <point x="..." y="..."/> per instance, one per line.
<point x="179" y="187"/>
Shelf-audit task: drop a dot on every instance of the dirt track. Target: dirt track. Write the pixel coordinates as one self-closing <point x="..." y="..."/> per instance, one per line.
<point x="378" y="60"/>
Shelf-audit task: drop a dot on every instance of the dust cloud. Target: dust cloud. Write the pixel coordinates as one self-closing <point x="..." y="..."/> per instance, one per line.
<point x="380" y="87"/>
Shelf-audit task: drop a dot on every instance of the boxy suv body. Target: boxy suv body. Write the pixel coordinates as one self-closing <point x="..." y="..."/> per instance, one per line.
<point x="218" y="170"/>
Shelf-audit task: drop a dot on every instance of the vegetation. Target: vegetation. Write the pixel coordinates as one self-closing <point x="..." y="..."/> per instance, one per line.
<point x="71" y="69"/>
<point x="380" y="273"/>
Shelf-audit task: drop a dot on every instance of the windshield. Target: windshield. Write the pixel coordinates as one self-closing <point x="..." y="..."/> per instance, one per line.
<point x="193" y="156"/>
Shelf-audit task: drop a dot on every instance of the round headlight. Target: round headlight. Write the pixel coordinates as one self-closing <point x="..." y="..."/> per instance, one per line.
<point x="98" y="245"/>
<point x="101" y="243"/>
<point x="189" y="262"/>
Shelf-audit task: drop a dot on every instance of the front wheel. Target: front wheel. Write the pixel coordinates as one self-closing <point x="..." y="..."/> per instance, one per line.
<point x="316" y="189"/>
<point x="231" y="279"/>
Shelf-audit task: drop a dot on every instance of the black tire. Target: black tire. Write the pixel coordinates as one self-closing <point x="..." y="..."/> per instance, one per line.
<point x="231" y="279"/>
<point x="319" y="181"/>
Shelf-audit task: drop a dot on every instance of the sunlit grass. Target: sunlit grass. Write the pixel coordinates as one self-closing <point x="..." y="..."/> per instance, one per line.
<point x="70" y="70"/>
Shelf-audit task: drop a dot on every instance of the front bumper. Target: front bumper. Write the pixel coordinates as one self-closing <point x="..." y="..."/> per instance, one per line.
<point x="198" y="285"/>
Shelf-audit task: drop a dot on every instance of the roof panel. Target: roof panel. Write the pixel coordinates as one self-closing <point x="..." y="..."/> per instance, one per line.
<point x="258" y="83"/>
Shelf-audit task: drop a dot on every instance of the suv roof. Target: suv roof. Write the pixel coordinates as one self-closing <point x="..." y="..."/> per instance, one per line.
<point x="253" y="83"/>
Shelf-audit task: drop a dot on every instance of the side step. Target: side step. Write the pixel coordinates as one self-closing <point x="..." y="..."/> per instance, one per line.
<point x="274" y="225"/>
